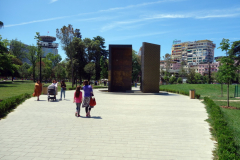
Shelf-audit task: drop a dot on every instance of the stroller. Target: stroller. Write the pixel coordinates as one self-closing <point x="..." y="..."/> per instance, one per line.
<point x="52" y="92"/>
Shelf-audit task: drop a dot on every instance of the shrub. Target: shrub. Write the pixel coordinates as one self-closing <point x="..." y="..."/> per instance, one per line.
<point x="227" y="148"/>
<point x="7" y="105"/>
<point x="179" y="80"/>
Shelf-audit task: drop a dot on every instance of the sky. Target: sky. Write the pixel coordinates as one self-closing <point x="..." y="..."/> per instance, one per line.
<point x="124" y="21"/>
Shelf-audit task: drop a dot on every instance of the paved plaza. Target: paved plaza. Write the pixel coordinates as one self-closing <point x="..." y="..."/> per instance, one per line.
<point x="126" y="126"/>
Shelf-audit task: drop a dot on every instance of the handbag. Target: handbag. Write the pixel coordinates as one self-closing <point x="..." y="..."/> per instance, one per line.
<point x="33" y="94"/>
<point x="92" y="102"/>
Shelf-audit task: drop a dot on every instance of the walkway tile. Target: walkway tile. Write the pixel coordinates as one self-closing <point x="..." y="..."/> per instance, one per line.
<point x="123" y="126"/>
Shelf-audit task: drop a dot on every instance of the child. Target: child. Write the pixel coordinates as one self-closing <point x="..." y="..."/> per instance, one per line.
<point x="78" y="100"/>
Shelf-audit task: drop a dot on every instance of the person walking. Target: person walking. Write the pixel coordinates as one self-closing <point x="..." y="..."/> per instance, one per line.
<point x="37" y="89"/>
<point x="87" y="94"/>
<point x="78" y="100"/>
<point x="63" y="88"/>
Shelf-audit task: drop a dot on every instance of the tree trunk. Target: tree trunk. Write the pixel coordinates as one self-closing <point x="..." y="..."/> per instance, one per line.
<point x="221" y="90"/>
<point x="228" y="95"/>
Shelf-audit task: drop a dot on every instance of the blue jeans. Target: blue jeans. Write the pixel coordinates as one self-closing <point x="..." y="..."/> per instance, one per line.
<point x="62" y="91"/>
<point x="78" y="108"/>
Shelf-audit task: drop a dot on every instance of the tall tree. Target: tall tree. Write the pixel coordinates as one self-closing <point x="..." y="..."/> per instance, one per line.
<point x="55" y="59"/>
<point x="1" y="24"/>
<point x="104" y="67"/>
<point x="167" y="58"/>
<point x="32" y="57"/>
<point x="136" y="66"/>
<point x="90" y="70"/>
<point x="224" y="45"/>
<point x="18" y="49"/>
<point x="66" y="35"/>
<point x="227" y="70"/>
<point x="98" y="51"/>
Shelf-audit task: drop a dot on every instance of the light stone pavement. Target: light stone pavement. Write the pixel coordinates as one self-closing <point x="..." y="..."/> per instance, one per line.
<point x="123" y="126"/>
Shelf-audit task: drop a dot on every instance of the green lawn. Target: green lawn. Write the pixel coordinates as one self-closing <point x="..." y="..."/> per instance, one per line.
<point x="212" y="91"/>
<point x="9" y="89"/>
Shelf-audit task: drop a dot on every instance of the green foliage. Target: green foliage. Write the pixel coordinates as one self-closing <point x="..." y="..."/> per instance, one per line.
<point x="7" y="105"/>
<point x="172" y="79"/>
<point x="32" y="57"/>
<point x="179" y="80"/>
<point x="224" y="45"/>
<point x="191" y="77"/>
<point x="60" y="71"/>
<point x="90" y="69"/>
<point x="18" y="49"/>
<point x="23" y="70"/>
<point x="166" y="78"/>
<point x="226" y="148"/>
<point x="104" y="67"/>
<point x="136" y="66"/>
<point x="54" y="59"/>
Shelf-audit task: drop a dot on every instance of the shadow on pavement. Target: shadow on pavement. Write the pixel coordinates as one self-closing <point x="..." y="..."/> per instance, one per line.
<point x="94" y="117"/>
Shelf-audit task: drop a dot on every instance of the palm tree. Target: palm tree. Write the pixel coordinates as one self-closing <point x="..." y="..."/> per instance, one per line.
<point x="1" y="24"/>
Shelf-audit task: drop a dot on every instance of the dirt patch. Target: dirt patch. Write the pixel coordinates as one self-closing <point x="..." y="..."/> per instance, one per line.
<point x="230" y="107"/>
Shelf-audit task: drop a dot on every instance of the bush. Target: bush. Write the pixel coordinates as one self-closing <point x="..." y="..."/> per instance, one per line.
<point x="7" y="105"/>
<point x="172" y="79"/>
<point x="179" y="80"/>
<point x="226" y="148"/>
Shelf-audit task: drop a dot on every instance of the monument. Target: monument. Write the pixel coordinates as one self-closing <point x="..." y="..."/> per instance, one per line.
<point x="120" y="68"/>
<point x="150" y="59"/>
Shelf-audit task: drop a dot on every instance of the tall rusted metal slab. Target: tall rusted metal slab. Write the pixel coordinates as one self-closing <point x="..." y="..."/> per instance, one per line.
<point x="150" y="59"/>
<point x="120" y="68"/>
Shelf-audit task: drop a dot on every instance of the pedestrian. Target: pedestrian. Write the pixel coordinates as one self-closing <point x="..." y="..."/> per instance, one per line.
<point x="87" y="94"/>
<point x="55" y="83"/>
<point x="63" y="88"/>
<point x="78" y="100"/>
<point x="37" y="89"/>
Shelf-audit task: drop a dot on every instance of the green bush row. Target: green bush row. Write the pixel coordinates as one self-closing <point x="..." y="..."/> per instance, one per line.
<point x="227" y="148"/>
<point x="179" y="92"/>
<point x="7" y="105"/>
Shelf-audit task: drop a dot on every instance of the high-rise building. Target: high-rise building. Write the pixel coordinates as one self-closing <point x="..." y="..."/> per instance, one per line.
<point x="194" y="52"/>
<point x="48" y="46"/>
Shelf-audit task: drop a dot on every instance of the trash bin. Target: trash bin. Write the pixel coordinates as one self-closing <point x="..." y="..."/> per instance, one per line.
<point x="192" y="93"/>
<point x="45" y="90"/>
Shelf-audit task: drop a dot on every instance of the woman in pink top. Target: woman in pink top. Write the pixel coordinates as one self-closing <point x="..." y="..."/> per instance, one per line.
<point x="78" y="100"/>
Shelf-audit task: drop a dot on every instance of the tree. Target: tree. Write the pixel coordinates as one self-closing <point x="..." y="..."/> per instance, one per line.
<point x="104" y="68"/>
<point x="167" y="58"/>
<point x="90" y="70"/>
<point x="136" y="66"/>
<point x="191" y="76"/>
<point x="179" y="80"/>
<point x="198" y="78"/>
<point x="18" y="49"/>
<point x="227" y="70"/>
<point x="23" y="70"/>
<point x="1" y="24"/>
<point x="60" y="71"/>
<point x="80" y="57"/>
<point x="55" y="59"/>
<point x="219" y="78"/>
<point x="224" y="45"/>
<point x="66" y="35"/>
<point x="98" y="51"/>
<point x="182" y="71"/>
<point x="32" y="57"/>
<point x="172" y="79"/>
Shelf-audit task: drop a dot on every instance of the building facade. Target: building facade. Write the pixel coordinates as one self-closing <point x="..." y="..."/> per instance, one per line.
<point x="194" y="52"/>
<point x="48" y="46"/>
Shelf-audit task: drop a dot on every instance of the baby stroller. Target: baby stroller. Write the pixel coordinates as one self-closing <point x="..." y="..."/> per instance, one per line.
<point x="52" y="92"/>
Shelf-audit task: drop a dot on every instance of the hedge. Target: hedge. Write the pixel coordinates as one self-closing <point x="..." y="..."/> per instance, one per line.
<point x="180" y="92"/>
<point x="226" y="148"/>
<point x="7" y="105"/>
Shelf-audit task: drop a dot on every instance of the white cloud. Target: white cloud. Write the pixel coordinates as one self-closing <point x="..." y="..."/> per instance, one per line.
<point x="136" y="36"/>
<point x="217" y="16"/>
<point x="36" y="21"/>
<point x="52" y="1"/>
<point x="138" y="5"/>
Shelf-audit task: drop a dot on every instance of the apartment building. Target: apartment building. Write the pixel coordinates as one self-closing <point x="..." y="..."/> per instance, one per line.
<point x="194" y="52"/>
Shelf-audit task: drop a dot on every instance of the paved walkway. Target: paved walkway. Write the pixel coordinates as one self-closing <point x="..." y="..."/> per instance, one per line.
<point x="123" y="126"/>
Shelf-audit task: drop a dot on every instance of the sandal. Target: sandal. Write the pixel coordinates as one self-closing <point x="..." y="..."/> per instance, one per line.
<point x="76" y="114"/>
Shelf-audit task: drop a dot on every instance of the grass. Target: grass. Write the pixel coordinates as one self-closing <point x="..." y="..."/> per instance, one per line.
<point x="212" y="91"/>
<point x="9" y="89"/>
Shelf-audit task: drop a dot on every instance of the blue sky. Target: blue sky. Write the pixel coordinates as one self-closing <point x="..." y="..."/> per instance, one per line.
<point x="125" y="21"/>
